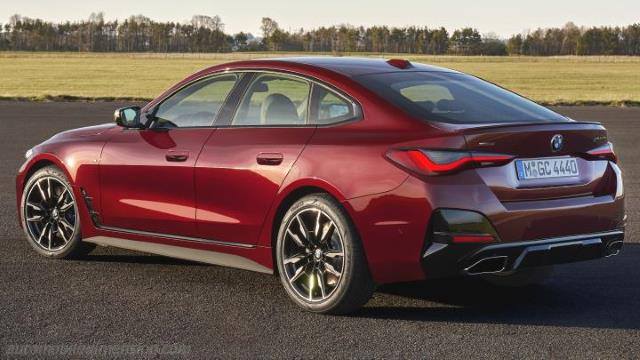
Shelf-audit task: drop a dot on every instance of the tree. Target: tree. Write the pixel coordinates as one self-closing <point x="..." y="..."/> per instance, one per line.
<point x="514" y="45"/>
<point x="204" y="33"/>
<point x="492" y="45"/>
<point x="466" y="41"/>
<point x="570" y="41"/>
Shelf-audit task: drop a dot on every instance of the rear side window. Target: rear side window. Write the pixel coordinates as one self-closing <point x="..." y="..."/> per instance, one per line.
<point x="197" y="104"/>
<point x="328" y="107"/>
<point x="274" y="99"/>
<point x="455" y="98"/>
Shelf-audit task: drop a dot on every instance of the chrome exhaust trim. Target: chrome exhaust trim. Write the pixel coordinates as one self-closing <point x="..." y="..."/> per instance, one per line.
<point x="614" y="248"/>
<point x="488" y="265"/>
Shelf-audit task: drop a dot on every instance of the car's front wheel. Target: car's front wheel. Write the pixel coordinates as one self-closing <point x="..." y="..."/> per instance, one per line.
<point x="320" y="259"/>
<point x="50" y="215"/>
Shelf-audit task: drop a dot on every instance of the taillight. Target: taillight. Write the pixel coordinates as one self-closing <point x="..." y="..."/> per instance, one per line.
<point x="437" y="162"/>
<point x="604" y="152"/>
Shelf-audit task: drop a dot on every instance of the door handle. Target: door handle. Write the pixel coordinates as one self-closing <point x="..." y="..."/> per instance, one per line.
<point x="269" y="158"/>
<point x="177" y="156"/>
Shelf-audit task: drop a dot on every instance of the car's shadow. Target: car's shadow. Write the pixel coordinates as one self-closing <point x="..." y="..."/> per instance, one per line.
<point x="603" y="293"/>
<point x="596" y="294"/>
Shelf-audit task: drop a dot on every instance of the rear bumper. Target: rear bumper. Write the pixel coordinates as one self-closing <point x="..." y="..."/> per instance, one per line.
<point x="394" y="226"/>
<point x="442" y="260"/>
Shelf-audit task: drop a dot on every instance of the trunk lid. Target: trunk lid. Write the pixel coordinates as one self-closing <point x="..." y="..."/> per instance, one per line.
<point x="534" y="141"/>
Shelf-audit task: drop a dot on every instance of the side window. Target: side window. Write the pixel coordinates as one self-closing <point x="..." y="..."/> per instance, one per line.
<point x="197" y="104"/>
<point x="274" y="99"/>
<point x="329" y="108"/>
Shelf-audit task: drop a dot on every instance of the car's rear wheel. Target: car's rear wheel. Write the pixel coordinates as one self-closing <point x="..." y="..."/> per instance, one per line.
<point x="50" y="215"/>
<point x="320" y="258"/>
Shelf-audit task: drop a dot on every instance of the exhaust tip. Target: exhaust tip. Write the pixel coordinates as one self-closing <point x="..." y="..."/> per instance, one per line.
<point x="488" y="265"/>
<point x="613" y="248"/>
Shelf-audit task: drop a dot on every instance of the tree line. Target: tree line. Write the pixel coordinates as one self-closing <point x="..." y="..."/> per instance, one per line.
<point x="206" y="34"/>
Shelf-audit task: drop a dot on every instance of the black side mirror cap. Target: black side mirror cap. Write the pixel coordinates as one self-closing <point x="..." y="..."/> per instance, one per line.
<point x="128" y="117"/>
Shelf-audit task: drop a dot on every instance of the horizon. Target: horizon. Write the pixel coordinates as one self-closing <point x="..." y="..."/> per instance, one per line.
<point x="247" y="17"/>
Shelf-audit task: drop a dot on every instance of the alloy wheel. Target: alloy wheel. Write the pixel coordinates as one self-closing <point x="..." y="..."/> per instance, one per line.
<point x="313" y="255"/>
<point x="50" y="213"/>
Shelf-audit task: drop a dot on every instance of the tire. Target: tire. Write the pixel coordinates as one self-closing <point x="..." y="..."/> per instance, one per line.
<point x="49" y="213"/>
<point x="521" y="278"/>
<point x="317" y="287"/>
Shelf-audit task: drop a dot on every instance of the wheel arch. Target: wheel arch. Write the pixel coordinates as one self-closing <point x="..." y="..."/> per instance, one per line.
<point x="40" y="161"/>
<point x="287" y="197"/>
<point x="31" y="167"/>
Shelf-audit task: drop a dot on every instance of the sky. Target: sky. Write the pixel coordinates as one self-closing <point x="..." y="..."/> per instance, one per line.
<point x="503" y="18"/>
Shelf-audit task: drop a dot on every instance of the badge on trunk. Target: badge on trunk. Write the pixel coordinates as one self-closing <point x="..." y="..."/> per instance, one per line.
<point x="557" y="142"/>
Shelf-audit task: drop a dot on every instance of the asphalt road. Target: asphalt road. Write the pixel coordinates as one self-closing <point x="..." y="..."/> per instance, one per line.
<point x="120" y="303"/>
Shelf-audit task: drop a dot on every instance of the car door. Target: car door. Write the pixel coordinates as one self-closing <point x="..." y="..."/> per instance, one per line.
<point x="245" y="161"/>
<point x="147" y="175"/>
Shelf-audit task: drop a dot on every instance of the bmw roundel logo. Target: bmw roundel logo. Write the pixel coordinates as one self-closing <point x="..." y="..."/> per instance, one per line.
<point x="557" y="141"/>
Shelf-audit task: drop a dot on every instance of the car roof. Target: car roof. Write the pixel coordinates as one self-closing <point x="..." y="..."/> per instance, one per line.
<point x="355" y="66"/>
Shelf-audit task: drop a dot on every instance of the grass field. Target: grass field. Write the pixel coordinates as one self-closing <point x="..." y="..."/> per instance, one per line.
<point x="93" y="76"/>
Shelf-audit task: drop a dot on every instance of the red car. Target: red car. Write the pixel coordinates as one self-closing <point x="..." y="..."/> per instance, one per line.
<point x="337" y="174"/>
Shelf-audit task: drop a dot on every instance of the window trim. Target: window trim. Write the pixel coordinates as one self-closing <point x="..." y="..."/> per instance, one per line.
<point x="314" y="102"/>
<point x="239" y="77"/>
<point x="252" y="72"/>
<point x="255" y="75"/>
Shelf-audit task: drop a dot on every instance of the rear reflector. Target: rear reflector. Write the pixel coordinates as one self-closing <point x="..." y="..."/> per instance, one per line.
<point x="472" y="239"/>
<point x="454" y="226"/>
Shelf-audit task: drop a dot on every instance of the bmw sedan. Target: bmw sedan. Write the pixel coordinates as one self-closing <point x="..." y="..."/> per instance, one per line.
<point x="334" y="174"/>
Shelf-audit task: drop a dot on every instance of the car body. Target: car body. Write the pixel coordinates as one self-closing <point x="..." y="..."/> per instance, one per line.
<point x="428" y="197"/>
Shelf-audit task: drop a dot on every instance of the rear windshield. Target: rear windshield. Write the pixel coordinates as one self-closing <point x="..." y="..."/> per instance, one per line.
<point x="455" y="98"/>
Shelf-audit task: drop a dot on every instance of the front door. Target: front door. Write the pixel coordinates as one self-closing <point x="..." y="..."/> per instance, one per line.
<point x="147" y="176"/>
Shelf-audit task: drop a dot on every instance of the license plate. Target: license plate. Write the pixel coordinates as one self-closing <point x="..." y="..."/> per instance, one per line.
<point x="546" y="168"/>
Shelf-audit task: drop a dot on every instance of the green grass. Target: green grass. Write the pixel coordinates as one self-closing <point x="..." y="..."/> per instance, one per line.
<point x="93" y="76"/>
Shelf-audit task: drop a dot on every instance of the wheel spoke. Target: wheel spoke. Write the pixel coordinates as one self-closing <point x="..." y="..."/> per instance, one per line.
<point x="295" y="259"/>
<point x="66" y="224"/>
<point x="66" y="206"/>
<point x="61" y="197"/>
<point x="35" y="218"/>
<point x="303" y="228"/>
<point x="44" y="197"/>
<point x="311" y="284"/>
<point x="320" y="277"/>
<point x="299" y="272"/>
<point x="61" y="232"/>
<point x="331" y="270"/>
<point x="295" y="238"/>
<point x="50" y="236"/>
<point x="34" y="206"/>
<point x="44" y="231"/>
<point x="333" y="253"/>
<point x="317" y="228"/>
<point x="49" y="187"/>
<point x="325" y="231"/>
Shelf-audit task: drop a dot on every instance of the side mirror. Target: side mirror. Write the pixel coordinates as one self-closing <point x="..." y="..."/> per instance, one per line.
<point x="128" y="117"/>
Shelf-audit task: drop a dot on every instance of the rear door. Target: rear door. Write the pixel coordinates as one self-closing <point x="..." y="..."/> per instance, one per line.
<point x="147" y="176"/>
<point x="245" y="161"/>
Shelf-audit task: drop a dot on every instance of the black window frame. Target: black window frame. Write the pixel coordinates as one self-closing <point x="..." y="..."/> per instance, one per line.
<point x="153" y="119"/>
<point x="233" y="102"/>
<point x="251" y="76"/>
